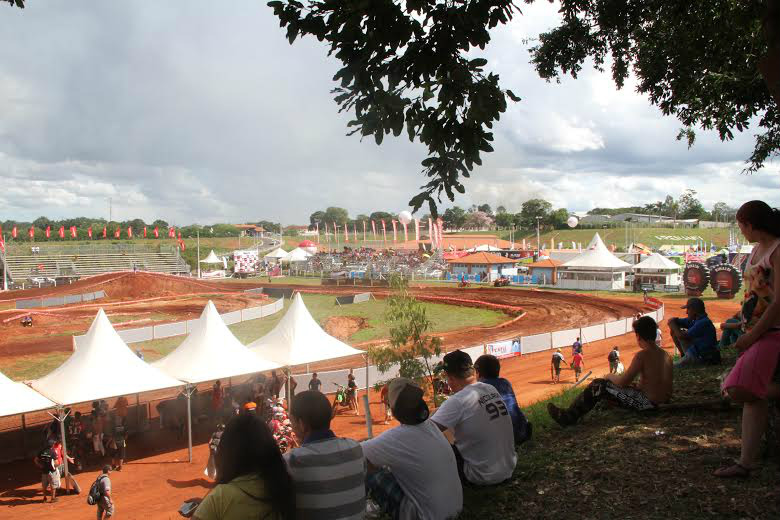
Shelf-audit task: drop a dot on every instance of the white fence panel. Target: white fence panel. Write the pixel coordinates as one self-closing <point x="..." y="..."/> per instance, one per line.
<point x="615" y="328"/>
<point x="167" y="330"/>
<point x="653" y="315"/>
<point x="535" y="343"/>
<point x="88" y="297"/>
<point x="474" y="351"/>
<point x="592" y="333"/>
<point x="661" y="311"/>
<point x="191" y="325"/>
<point x="231" y="317"/>
<point x="72" y="298"/>
<point x="136" y="335"/>
<point x="251" y="314"/>
<point x="564" y="338"/>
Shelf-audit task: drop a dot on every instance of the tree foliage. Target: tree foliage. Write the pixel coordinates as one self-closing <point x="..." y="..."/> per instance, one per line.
<point x="405" y="64"/>
<point x="411" y="348"/>
<point x="698" y="60"/>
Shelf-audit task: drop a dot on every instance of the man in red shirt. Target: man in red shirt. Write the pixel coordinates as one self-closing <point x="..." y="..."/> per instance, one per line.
<point x="578" y="363"/>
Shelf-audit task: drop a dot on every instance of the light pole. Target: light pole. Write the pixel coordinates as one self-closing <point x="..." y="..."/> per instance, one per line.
<point x="538" y="238"/>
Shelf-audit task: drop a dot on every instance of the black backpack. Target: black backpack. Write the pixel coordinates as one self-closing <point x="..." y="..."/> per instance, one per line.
<point x="46" y="459"/>
<point x="95" y="493"/>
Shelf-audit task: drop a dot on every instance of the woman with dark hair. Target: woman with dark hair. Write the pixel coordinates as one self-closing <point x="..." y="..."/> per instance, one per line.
<point x="750" y="381"/>
<point x="252" y="478"/>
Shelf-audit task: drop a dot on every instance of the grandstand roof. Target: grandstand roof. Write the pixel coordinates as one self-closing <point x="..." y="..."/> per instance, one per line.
<point x="483" y="258"/>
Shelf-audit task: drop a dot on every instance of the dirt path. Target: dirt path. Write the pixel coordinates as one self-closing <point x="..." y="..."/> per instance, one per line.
<point x="156" y="481"/>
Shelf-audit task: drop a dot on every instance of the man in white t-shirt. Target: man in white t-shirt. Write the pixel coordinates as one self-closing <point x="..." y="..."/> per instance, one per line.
<point x="484" y="440"/>
<point x="412" y="469"/>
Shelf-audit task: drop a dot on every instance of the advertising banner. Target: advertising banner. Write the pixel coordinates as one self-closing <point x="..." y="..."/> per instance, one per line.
<point x="504" y="349"/>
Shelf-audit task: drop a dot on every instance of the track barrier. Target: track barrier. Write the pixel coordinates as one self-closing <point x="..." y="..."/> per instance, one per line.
<point x="57" y="301"/>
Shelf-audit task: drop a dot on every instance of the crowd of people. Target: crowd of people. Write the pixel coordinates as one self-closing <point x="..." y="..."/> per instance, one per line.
<point x="418" y="469"/>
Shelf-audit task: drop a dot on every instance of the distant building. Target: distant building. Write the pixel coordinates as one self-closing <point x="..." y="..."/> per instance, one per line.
<point x="544" y="271"/>
<point x="250" y="230"/>
<point x="639" y="217"/>
<point x="487" y="266"/>
<point x="595" y="219"/>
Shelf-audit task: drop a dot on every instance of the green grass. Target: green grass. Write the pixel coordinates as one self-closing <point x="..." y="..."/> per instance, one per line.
<point x="34" y="366"/>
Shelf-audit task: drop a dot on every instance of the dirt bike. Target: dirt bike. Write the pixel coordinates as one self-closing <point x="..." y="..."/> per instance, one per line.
<point x="501" y="282"/>
<point x="341" y="399"/>
<point x="27" y="322"/>
<point x="463" y="284"/>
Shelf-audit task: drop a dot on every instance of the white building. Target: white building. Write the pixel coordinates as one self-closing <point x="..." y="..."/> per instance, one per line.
<point x="596" y="268"/>
<point x="656" y="270"/>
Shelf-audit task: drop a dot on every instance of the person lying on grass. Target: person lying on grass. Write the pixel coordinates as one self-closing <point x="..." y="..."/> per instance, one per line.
<point x="651" y="363"/>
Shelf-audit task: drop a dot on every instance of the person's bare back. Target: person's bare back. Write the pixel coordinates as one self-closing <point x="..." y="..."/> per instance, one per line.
<point x="655" y="371"/>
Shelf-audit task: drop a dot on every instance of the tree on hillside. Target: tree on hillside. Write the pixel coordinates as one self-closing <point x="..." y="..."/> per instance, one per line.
<point x="722" y="212"/>
<point x="454" y="217"/>
<point x="711" y="63"/>
<point x="504" y="220"/>
<point x="381" y="215"/>
<point x="557" y="219"/>
<point x="338" y="215"/>
<point x="318" y="217"/>
<point x="531" y="209"/>
<point x="500" y="209"/>
<point x="478" y="220"/>
<point x="160" y="224"/>
<point x="690" y="207"/>
<point x="485" y="208"/>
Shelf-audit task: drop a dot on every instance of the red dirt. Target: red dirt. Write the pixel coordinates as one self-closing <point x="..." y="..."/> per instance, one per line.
<point x="342" y="327"/>
<point x="156" y="480"/>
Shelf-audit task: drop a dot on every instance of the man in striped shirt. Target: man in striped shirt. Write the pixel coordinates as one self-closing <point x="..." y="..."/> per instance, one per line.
<point x="329" y="472"/>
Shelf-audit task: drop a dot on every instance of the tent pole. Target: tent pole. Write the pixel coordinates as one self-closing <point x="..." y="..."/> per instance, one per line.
<point x="366" y="403"/>
<point x="287" y="390"/>
<point x="189" y="421"/>
<point x="24" y="436"/>
<point x="137" y="413"/>
<point x="61" y="418"/>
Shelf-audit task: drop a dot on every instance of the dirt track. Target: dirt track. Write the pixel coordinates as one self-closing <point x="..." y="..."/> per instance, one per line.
<point x="156" y="481"/>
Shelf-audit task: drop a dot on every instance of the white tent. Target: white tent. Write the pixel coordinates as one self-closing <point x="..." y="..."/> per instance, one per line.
<point x="658" y="270"/>
<point x="596" y="268"/>
<point x="211" y="352"/>
<point x="276" y="253"/>
<point x="211" y="259"/>
<point x="297" y="339"/>
<point x="297" y="255"/>
<point x="19" y="398"/>
<point x="101" y="367"/>
<point x="484" y="247"/>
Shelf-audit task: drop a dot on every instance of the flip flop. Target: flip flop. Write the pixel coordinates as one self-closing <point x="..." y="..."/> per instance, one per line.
<point x="734" y="471"/>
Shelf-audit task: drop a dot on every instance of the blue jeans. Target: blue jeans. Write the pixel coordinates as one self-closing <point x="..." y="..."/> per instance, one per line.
<point x="729" y="336"/>
<point x="383" y="488"/>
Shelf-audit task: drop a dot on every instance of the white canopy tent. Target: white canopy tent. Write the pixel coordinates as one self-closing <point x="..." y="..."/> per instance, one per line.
<point x="276" y="255"/>
<point x="19" y="398"/>
<point x="209" y="352"/>
<point x="596" y="268"/>
<point x="86" y="375"/>
<point x="656" y="269"/>
<point x="484" y="247"/>
<point x="297" y="255"/>
<point x="211" y="259"/>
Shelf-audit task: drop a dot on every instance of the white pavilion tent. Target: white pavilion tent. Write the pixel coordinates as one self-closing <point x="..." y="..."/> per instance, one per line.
<point x="208" y="353"/>
<point x="19" y="398"/>
<point x="596" y="268"/>
<point x="276" y="255"/>
<point x="657" y="270"/>
<point x="297" y="255"/>
<point x="484" y="247"/>
<point x="211" y="259"/>
<point x="297" y="339"/>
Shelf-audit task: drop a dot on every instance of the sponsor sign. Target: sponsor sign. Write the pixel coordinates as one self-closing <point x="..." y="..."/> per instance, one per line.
<point x="726" y="280"/>
<point x="504" y="349"/>
<point x="696" y="278"/>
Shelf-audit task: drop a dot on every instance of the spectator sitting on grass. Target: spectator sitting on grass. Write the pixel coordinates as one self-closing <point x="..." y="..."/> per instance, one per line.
<point x="651" y="363"/>
<point x="488" y="368"/>
<point x="695" y="337"/>
<point x="732" y="329"/>
<point x="412" y="469"/>
<point x="478" y="417"/>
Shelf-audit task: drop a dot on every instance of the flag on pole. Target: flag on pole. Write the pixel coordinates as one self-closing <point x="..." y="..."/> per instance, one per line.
<point x="373" y="227"/>
<point x="317" y="227"/>
<point x="171" y="232"/>
<point x="156" y="232"/>
<point x="144" y="231"/>
<point x="117" y="233"/>
<point x="354" y="231"/>
<point x="73" y="232"/>
<point x="335" y="232"/>
<point x="431" y="234"/>
<point x="62" y="231"/>
<point x="89" y="232"/>
<point x="384" y="232"/>
<point x="13" y="232"/>
<point x="129" y="232"/>
<point x="105" y="231"/>
<point x="179" y="235"/>
<point x="32" y="231"/>
<point x="406" y="233"/>
<point x="181" y="244"/>
<point x="48" y="231"/>
<point x="364" y="231"/>
<point x="417" y="230"/>
<point x="395" y="231"/>
<point x="346" y="233"/>
<point x="440" y="233"/>
<point x="2" y="243"/>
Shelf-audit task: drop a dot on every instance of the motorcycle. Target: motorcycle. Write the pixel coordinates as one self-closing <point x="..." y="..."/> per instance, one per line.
<point x="501" y="282"/>
<point x="463" y="284"/>
<point x="340" y="399"/>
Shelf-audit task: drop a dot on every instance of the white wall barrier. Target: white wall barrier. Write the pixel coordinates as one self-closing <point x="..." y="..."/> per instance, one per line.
<point x="653" y="315"/>
<point x="167" y="330"/>
<point x="564" y="338"/>
<point x="251" y="314"/>
<point x="592" y="333"/>
<point x="232" y="317"/>
<point x="136" y="335"/>
<point x="615" y="328"/>
<point x="535" y="343"/>
<point x="660" y="313"/>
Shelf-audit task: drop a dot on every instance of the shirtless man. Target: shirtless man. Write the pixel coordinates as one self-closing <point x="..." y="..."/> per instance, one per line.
<point x="652" y="364"/>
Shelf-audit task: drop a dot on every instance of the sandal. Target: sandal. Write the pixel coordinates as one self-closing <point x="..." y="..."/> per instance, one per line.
<point x="734" y="471"/>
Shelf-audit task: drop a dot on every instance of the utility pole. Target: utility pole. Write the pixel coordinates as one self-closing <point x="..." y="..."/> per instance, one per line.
<point x="110" y="210"/>
<point x="197" y="235"/>
<point x="5" y="267"/>
<point x="538" y="242"/>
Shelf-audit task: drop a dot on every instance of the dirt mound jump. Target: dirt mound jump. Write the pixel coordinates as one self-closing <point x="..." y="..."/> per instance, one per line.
<point x="342" y="327"/>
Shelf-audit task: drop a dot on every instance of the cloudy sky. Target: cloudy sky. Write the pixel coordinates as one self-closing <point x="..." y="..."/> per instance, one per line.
<point x="198" y="112"/>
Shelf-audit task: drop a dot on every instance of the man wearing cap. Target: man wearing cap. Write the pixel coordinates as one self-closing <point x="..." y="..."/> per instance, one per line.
<point x="695" y="337"/>
<point x="478" y="417"/>
<point x="412" y="469"/>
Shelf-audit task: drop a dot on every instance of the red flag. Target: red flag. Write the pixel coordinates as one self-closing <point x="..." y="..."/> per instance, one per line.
<point x="73" y="232"/>
<point x="384" y="231"/>
<point x="32" y="231"/>
<point x="156" y="232"/>
<point x="440" y="232"/>
<point x="179" y="235"/>
<point x="62" y="231"/>
<point x="430" y="232"/>
<point x="89" y="232"/>
<point x="129" y="232"/>
<point x="118" y="233"/>
<point x="171" y="232"/>
<point x="395" y="232"/>
<point x="406" y="234"/>
<point x="144" y="231"/>
<point x="354" y="231"/>
<point x="417" y="230"/>
<point x="181" y="244"/>
<point x="364" y="231"/>
<point x="335" y="231"/>
<point x="13" y="232"/>
<point x="104" y="232"/>
<point x="346" y="233"/>
<point x="48" y="231"/>
<point x="2" y="243"/>
<point x="373" y="227"/>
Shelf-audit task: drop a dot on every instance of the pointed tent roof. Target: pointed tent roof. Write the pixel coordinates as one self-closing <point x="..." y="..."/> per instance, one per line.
<point x="596" y="256"/>
<point x="276" y="253"/>
<point x="211" y="352"/>
<point x="657" y="261"/>
<point x="19" y="398"/>
<point x="211" y="259"/>
<point x="87" y="375"/>
<point x="297" y="255"/>
<point x="298" y="339"/>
